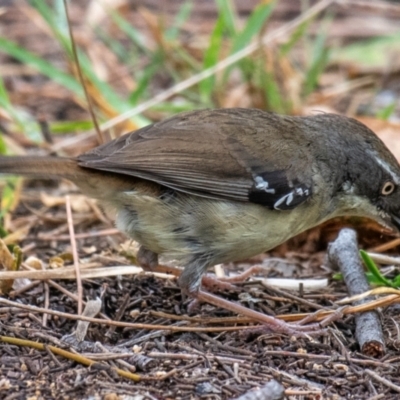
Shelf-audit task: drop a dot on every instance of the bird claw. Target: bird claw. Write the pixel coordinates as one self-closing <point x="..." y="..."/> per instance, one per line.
<point x="213" y="283"/>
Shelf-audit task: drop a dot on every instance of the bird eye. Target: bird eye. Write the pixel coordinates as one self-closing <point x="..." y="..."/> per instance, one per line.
<point x="388" y="188"/>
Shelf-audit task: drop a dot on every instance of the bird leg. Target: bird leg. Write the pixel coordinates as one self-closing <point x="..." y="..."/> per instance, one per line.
<point x="147" y="259"/>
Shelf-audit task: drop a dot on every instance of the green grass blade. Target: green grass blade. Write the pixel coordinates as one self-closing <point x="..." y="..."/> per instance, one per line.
<point x="56" y="20"/>
<point x="298" y="34"/>
<point x="115" y="46"/>
<point x="8" y="196"/>
<point x="58" y="127"/>
<point x="21" y="119"/>
<point x="272" y="92"/>
<point x="319" y="60"/>
<point x="387" y="111"/>
<point x="183" y="15"/>
<point x="396" y="281"/>
<point x="253" y="26"/>
<point x="143" y="83"/>
<point x="227" y="12"/>
<point x="374" y="270"/>
<point x="3" y="147"/>
<point x="211" y="57"/>
<point x="314" y="72"/>
<point x="58" y="24"/>
<point x="40" y="65"/>
<point x="374" y="53"/>
<point x="104" y="88"/>
<point x="4" y="99"/>
<point x="133" y="34"/>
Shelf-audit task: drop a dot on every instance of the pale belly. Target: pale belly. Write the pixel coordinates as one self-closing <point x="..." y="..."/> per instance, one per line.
<point x="183" y="226"/>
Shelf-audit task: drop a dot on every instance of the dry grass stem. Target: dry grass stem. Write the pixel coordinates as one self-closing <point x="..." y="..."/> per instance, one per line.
<point x="74" y="253"/>
<point x="85" y="273"/>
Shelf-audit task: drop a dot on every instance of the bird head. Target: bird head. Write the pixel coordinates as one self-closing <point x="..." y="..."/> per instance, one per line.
<point x="370" y="176"/>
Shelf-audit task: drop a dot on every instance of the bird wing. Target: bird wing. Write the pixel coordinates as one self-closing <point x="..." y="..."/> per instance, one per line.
<point x="211" y="153"/>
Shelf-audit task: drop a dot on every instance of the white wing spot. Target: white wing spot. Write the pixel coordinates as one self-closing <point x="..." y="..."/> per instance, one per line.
<point x="263" y="185"/>
<point x="289" y="197"/>
<point x="283" y="199"/>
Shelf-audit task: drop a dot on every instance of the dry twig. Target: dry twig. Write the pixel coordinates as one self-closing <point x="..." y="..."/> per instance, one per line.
<point x="75" y="357"/>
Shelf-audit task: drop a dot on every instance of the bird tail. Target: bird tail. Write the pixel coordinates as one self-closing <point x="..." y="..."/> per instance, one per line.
<point x="42" y="167"/>
<point x="101" y="185"/>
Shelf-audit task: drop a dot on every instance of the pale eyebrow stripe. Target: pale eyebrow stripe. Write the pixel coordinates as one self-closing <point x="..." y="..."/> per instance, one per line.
<point x="387" y="168"/>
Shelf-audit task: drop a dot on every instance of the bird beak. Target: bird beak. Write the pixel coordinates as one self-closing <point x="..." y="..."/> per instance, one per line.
<point x="395" y="222"/>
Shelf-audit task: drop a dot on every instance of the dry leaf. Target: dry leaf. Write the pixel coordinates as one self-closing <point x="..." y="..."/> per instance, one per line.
<point x="79" y="202"/>
<point x="34" y="263"/>
<point x="56" y="262"/>
<point x="92" y="308"/>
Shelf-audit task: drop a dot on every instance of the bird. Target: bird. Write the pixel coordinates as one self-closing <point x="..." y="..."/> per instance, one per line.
<point x="213" y="186"/>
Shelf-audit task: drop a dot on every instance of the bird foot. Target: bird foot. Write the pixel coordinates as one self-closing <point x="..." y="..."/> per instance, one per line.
<point x="213" y="283"/>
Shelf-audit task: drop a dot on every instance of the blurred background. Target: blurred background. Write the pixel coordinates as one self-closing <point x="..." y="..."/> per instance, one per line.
<point x="344" y="58"/>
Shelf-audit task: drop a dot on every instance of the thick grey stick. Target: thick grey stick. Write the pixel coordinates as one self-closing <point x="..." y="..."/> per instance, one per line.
<point x="343" y="253"/>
